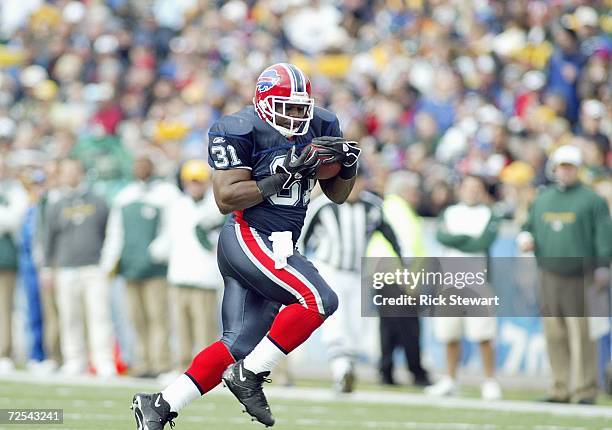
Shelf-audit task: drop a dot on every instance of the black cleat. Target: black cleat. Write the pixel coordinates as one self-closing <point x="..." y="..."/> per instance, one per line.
<point x="152" y="412"/>
<point x="246" y="386"/>
<point x="346" y="384"/>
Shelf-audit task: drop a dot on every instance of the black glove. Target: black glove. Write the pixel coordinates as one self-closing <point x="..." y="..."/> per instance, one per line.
<point x="290" y="172"/>
<point x="338" y="149"/>
<point x="305" y="166"/>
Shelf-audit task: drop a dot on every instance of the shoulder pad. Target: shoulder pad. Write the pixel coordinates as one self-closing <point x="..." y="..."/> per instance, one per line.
<point x="324" y="115"/>
<point x="237" y="124"/>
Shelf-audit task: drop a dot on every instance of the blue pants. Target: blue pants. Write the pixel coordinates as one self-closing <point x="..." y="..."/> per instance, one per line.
<point x="29" y="280"/>
<point x="255" y="290"/>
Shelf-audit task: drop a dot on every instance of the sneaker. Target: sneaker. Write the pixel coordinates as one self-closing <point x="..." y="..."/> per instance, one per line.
<point x="73" y="369"/>
<point x="421" y="381"/>
<point x="555" y="399"/>
<point x="6" y="365"/>
<point x="490" y="390"/>
<point x="444" y="387"/>
<point x="152" y="412"/>
<point x="106" y="371"/>
<point x="247" y="387"/>
<point x="345" y="384"/>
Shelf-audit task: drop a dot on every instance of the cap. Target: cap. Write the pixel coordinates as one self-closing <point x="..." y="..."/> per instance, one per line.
<point x="593" y="108"/>
<point x="195" y="170"/>
<point x="566" y="154"/>
<point x="586" y="16"/>
<point x="7" y="128"/>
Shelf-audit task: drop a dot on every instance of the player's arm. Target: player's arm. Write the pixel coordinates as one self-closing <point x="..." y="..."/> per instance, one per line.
<point x="337" y="189"/>
<point x="235" y="190"/>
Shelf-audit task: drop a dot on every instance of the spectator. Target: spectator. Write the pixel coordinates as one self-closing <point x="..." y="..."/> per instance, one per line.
<point x="467" y="229"/>
<point x="13" y="205"/>
<point x="33" y="180"/>
<point x="570" y="231"/>
<point x="402" y="197"/>
<point x="72" y="238"/>
<point x="48" y="296"/>
<point x="193" y="221"/>
<point x="138" y="217"/>
<point x="592" y="114"/>
<point x="565" y="68"/>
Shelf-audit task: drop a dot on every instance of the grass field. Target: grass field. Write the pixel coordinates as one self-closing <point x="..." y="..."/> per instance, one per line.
<point x="106" y="407"/>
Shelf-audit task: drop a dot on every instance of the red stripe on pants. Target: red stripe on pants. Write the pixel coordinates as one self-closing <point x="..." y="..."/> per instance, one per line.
<point x="282" y="274"/>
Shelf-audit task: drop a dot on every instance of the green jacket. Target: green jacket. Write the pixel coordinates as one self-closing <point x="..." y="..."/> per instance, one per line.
<point x="571" y="222"/>
<point x="13" y="206"/>
<point x="466" y="243"/>
<point x="8" y="249"/>
<point x="138" y="219"/>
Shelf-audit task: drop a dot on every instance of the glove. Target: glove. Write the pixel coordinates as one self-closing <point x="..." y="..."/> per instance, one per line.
<point x="305" y="166"/>
<point x="290" y="172"/>
<point x="338" y="149"/>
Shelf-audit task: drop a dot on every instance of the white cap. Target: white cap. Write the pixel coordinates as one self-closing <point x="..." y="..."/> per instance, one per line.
<point x="32" y="75"/>
<point x="534" y="80"/>
<point x="106" y="44"/>
<point x="566" y="154"/>
<point x="489" y="114"/>
<point x="7" y="128"/>
<point x="586" y="16"/>
<point x="593" y="108"/>
<point x="73" y="12"/>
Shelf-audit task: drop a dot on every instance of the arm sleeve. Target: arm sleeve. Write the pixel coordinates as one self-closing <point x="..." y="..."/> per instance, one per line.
<point x="603" y="232"/>
<point x="159" y="248"/>
<point x="103" y="216"/>
<point x="11" y="215"/>
<point x="528" y="225"/>
<point x="385" y="229"/>
<point x="486" y="239"/>
<point x="113" y="241"/>
<point x="228" y="151"/>
<point x="48" y="235"/>
<point x="446" y="238"/>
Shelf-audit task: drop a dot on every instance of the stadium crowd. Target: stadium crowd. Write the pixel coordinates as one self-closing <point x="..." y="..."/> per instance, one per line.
<point x="442" y="88"/>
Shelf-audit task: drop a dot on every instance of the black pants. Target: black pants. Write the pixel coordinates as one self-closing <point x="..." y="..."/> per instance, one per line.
<point x="405" y="333"/>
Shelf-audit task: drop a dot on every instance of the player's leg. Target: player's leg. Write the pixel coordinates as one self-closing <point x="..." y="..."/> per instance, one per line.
<point x="298" y="285"/>
<point x="308" y="301"/>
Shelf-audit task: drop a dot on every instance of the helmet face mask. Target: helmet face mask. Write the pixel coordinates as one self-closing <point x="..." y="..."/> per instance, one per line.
<point x="282" y="99"/>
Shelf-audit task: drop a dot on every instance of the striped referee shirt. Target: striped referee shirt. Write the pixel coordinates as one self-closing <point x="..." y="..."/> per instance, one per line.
<point x="338" y="234"/>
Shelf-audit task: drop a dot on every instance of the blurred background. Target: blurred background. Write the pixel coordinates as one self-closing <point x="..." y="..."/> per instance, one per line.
<point x="440" y="88"/>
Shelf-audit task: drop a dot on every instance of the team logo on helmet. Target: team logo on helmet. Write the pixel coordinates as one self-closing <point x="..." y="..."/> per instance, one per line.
<point x="267" y="80"/>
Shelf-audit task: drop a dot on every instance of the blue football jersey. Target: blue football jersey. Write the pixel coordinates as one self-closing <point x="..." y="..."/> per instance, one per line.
<point x="244" y="141"/>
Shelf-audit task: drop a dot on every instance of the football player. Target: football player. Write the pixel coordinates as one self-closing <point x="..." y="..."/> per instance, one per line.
<point x="264" y="170"/>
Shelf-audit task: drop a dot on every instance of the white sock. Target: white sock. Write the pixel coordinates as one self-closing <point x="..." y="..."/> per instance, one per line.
<point x="264" y="357"/>
<point x="340" y="366"/>
<point x="180" y="393"/>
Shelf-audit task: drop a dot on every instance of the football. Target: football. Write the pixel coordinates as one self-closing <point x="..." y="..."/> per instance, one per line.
<point x="326" y="169"/>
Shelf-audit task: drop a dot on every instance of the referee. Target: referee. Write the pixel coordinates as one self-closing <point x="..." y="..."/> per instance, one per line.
<point x="336" y="236"/>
